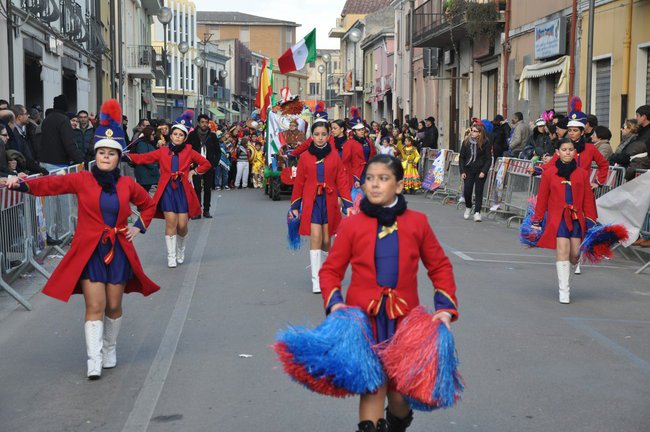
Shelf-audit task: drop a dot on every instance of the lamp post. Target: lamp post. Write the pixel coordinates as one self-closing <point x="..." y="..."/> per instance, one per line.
<point x="326" y="59"/>
<point x="355" y="37"/>
<point x="165" y="16"/>
<point x="224" y="74"/>
<point x="249" y="80"/>
<point x="183" y="48"/>
<point x="321" y="71"/>
<point x="199" y="62"/>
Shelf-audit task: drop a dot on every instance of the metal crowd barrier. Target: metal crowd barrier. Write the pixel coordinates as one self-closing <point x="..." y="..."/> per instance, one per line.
<point x="615" y="178"/>
<point x="453" y="186"/>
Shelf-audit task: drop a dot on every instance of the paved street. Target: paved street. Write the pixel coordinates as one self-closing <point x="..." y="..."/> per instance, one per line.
<point x="530" y="363"/>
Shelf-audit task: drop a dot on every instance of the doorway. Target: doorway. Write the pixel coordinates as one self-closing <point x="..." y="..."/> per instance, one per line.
<point x="69" y="88"/>
<point x="33" y="82"/>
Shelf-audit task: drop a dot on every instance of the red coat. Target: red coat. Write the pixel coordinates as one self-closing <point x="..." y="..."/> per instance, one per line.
<point x="585" y="160"/>
<point x="551" y="198"/>
<point x="304" y="146"/>
<point x="186" y="158"/>
<point x="355" y="244"/>
<point x="354" y="159"/>
<point x="90" y="227"/>
<point x="306" y="184"/>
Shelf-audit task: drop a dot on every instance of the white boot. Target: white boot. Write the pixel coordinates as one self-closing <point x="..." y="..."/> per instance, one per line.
<point x="315" y="259"/>
<point x="180" y="249"/>
<point x="171" y="250"/>
<point x="564" y="280"/>
<point x="576" y="269"/>
<point x="94" y="337"/>
<point x="109" y="353"/>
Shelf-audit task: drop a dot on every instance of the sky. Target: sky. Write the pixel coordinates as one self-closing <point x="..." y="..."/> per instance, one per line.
<point x="319" y="14"/>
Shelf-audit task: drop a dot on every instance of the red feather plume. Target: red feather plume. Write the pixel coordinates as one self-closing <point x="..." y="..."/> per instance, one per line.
<point x="320" y="107"/>
<point x="575" y="103"/>
<point x="111" y="109"/>
<point x="354" y="112"/>
<point x="188" y="114"/>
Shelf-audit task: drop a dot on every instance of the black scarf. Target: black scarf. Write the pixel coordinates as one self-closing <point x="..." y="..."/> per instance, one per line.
<point x="176" y="149"/>
<point x="319" y="152"/>
<point x="580" y="144"/>
<point x="106" y="179"/>
<point x="339" y="141"/>
<point x="386" y="216"/>
<point x="565" y="170"/>
<point x="363" y="141"/>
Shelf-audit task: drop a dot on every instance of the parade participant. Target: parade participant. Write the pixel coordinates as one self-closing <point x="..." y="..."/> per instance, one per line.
<point x="259" y="160"/>
<point x="474" y="162"/>
<point x="320" y="115"/>
<point x="102" y="263"/>
<point x="410" y="158"/>
<point x="243" y="164"/>
<point x="175" y="198"/>
<point x="567" y="198"/>
<point x="358" y="150"/>
<point x="384" y="244"/>
<point x="319" y="186"/>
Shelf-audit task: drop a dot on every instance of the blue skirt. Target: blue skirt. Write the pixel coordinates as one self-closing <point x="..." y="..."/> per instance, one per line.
<point x="117" y="272"/>
<point x="564" y="232"/>
<point x="174" y="200"/>
<point x="385" y="326"/>
<point x="319" y="211"/>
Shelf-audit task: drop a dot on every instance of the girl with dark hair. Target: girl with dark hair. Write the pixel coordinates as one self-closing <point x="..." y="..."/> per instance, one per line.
<point x="474" y="162"/>
<point x="384" y="244"/>
<point x="146" y="175"/>
<point x="320" y="185"/>
<point x="358" y="150"/>
<point x="566" y="197"/>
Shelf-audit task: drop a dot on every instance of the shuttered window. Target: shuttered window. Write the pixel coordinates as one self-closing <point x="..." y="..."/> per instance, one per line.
<point x="560" y="100"/>
<point x="647" y="79"/>
<point x="603" y="87"/>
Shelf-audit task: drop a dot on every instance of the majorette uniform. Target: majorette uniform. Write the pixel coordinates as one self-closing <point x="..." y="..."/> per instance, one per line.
<point x="356" y="154"/>
<point x="385" y="264"/>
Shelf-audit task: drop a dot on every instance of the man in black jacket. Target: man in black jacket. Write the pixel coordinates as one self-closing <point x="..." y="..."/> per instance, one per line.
<point x="58" y="149"/>
<point x="430" y="133"/>
<point x="205" y="142"/>
<point x="643" y="118"/>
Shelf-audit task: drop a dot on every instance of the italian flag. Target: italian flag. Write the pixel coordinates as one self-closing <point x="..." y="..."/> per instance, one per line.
<point x="299" y="55"/>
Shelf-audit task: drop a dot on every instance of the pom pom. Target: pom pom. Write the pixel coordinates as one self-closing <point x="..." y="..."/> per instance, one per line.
<point x="421" y="360"/>
<point x="575" y="103"/>
<point x="336" y="355"/>
<point x="599" y="240"/>
<point x="111" y="110"/>
<point x="188" y="114"/>
<point x="528" y="235"/>
<point x="293" y="236"/>
<point x="357" y="195"/>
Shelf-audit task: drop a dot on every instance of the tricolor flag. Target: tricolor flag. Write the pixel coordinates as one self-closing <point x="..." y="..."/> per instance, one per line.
<point x="299" y="55"/>
<point x="264" y="91"/>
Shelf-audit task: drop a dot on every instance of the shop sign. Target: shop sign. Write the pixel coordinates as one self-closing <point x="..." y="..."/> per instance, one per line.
<point x="550" y="38"/>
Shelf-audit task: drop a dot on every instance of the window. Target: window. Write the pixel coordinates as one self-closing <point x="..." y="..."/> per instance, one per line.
<point x="289" y="38"/>
<point x="314" y="89"/>
<point x="336" y="65"/>
<point x="245" y="35"/>
<point x="603" y="69"/>
<point x="407" y="36"/>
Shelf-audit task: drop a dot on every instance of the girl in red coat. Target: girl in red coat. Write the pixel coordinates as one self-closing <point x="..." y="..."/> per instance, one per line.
<point x="358" y="150"/>
<point x="175" y="197"/>
<point x="319" y="191"/>
<point x="102" y="263"/>
<point x="384" y="244"/>
<point x="566" y="196"/>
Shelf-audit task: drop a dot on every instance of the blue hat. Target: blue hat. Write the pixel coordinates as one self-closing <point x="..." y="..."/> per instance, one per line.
<point x="320" y="113"/>
<point x="185" y="119"/>
<point x="356" y="122"/>
<point x="109" y="133"/>
<point x="576" y="113"/>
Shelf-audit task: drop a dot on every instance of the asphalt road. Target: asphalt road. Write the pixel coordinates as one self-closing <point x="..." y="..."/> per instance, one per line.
<point x="530" y="363"/>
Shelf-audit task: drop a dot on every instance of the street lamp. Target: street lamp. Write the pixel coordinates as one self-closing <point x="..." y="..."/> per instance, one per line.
<point x="326" y="59"/>
<point x="199" y="62"/>
<point x="321" y="71"/>
<point x="183" y="48"/>
<point x="355" y="37"/>
<point x="224" y="74"/>
<point x="250" y="90"/>
<point x="165" y="16"/>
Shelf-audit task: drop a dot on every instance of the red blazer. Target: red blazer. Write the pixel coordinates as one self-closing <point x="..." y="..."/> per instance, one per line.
<point x="90" y="227"/>
<point x="186" y="158"/>
<point x="306" y="184"/>
<point x="304" y="146"/>
<point x="551" y="199"/>
<point x="355" y="244"/>
<point x="354" y="159"/>
<point x="585" y="159"/>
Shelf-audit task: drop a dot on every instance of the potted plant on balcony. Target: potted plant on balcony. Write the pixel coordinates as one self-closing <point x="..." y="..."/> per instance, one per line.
<point x="451" y="8"/>
<point x="482" y="20"/>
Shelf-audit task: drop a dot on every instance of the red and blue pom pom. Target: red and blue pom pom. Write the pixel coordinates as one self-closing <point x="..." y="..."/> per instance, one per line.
<point x="600" y="239"/>
<point x="528" y="235"/>
<point x="421" y="360"/>
<point x="293" y="228"/>
<point x="336" y="358"/>
<point x="357" y="195"/>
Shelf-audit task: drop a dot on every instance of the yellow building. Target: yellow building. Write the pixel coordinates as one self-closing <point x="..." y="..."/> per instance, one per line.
<point x="620" y="61"/>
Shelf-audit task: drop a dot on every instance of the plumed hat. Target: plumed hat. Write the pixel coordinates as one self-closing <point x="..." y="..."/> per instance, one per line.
<point x="320" y="113"/>
<point x="109" y="132"/>
<point x="576" y="114"/>
<point x="356" y="122"/>
<point x="185" y="119"/>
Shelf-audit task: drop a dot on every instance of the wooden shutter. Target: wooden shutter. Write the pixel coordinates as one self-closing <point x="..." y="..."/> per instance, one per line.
<point x="603" y="88"/>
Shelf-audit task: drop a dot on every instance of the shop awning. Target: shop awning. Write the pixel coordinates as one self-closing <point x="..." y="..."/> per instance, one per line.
<point x="218" y="114"/>
<point x="538" y="70"/>
<point x="228" y="110"/>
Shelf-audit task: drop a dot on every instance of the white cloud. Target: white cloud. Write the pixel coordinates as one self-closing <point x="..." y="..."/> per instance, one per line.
<point x="309" y="13"/>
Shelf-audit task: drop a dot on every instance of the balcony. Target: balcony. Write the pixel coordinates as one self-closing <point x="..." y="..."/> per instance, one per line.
<point x="437" y="23"/>
<point x="141" y="61"/>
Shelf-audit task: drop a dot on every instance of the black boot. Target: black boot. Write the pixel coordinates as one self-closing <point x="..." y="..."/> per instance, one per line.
<point x="369" y="426"/>
<point x="396" y="424"/>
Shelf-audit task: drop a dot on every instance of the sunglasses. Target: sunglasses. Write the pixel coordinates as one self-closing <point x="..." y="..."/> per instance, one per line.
<point x="4" y="135"/>
<point x="475" y="130"/>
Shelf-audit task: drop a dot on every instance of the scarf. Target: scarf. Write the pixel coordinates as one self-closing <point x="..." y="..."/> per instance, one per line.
<point x="203" y="134"/>
<point x="339" y="141"/>
<point x="473" y="144"/>
<point x="362" y="141"/>
<point x="176" y="149"/>
<point x="319" y="152"/>
<point x="107" y="180"/>
<point x="386" y="216"/>
<point x="565" y="170"/>
<point x="580" y="144"/>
